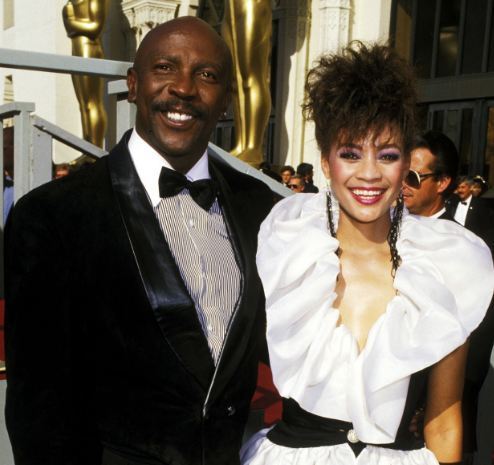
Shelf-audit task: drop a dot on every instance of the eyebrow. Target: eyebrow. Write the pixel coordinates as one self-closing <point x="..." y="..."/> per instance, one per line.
<point x="358" y="146"/>
<point x="176" y="60"/>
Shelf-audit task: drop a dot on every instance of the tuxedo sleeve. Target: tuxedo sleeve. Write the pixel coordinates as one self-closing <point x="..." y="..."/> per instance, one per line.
<point x="46" y="412"/>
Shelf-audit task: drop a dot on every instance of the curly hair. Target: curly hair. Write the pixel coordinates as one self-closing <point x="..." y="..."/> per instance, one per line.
<point x="363" y="88"/>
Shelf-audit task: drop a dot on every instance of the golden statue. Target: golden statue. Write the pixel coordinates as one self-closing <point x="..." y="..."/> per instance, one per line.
<point x="84" y="20"/>
<point x="247" y="30"/>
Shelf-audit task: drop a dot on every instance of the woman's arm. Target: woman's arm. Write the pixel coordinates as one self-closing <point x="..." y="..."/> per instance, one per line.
<point x="443" y="422"/>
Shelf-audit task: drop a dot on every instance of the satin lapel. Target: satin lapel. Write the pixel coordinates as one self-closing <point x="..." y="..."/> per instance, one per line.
<point x="169" y="299"/>
<point x="236" y="215"/>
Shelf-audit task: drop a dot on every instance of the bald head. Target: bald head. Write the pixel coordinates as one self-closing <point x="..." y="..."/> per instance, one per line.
<point x="185" y="25"/>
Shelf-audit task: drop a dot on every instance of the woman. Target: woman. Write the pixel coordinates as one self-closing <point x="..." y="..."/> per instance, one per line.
<point x="365" y="305"/>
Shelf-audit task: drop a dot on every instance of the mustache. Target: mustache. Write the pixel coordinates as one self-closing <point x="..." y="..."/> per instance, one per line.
<point x="174" y="104"/>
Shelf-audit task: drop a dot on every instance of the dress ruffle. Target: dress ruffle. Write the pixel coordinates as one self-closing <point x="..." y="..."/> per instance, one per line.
<point x="443" y="288"/>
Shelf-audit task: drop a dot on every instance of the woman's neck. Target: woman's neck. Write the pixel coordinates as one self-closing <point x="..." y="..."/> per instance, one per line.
<point x="363" y="235"/>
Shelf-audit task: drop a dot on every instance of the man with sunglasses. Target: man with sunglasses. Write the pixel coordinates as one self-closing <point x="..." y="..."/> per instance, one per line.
<point x="297" y="184"/>
<point x="431" y="179"/>
<point x="430" y="182"/>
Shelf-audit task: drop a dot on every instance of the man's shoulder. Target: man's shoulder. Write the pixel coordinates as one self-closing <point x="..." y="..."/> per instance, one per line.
<point x="67" y="191"/>
<point x="241" y="182"/>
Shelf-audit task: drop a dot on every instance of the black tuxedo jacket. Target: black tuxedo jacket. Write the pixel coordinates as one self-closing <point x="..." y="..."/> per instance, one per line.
<point x="104" y="347"/>
<point x="479" y="219"/>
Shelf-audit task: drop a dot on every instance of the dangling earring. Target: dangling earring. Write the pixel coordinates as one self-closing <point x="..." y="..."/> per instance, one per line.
<point x="394" y="233"/>
<point x="332" y="217"/>
<point x="329" y="209"/>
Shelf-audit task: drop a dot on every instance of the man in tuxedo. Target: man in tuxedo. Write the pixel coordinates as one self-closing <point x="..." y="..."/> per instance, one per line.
<point x="474" y="213"/>
<point x="135" y="316"/>
<point x="433" y="171"/>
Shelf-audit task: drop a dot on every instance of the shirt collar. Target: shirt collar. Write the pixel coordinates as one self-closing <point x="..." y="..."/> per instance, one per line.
<point x="148" y="163"/>
<point x="439" y="213"/>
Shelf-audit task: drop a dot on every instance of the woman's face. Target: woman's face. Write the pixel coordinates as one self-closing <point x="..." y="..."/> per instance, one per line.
<point x="366" y="175"/>
<point x="476" y="190"/>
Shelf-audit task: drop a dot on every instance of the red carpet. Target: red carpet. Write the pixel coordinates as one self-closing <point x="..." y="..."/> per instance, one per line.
<point x="266" y="396"/>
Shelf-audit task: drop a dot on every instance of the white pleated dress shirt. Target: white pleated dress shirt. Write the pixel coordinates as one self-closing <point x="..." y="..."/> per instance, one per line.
<point x="198" y="241"/>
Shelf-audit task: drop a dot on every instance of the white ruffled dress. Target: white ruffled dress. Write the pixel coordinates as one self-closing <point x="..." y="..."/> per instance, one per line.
<point x="443" y="288"/>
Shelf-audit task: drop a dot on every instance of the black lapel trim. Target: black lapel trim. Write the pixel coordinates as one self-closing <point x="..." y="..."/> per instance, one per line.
<point x="236" y="216"/>
<point x="170" y="301"/>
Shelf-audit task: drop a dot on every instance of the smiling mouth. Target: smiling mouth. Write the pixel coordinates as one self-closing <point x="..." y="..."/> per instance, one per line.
<point x="178" y="117"/>
<point x="367" y="196"/>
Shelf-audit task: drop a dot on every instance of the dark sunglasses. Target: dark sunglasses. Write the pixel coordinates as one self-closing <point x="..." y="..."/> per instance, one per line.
<point x="414" y="179"/>
<point x="293" y="186"/>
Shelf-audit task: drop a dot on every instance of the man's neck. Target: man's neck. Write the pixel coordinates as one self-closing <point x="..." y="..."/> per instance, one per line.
<point x="432" y="209"/>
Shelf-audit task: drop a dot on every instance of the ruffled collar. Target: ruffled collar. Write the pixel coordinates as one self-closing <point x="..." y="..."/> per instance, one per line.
<point x="432" y="313"/>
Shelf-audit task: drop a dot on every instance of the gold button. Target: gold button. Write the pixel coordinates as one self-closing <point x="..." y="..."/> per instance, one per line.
<point x="352" y="436"/>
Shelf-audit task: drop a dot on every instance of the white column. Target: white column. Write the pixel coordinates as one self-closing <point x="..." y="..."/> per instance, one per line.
<point x="334" y="25"/>
<point x="330" y="32"/>
<point x="294" y="15"/>
<point x="144" y="15"/>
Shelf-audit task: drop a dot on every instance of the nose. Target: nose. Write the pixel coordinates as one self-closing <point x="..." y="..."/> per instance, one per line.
<point x="183" y="86"/>
<point x="369" y="169"/>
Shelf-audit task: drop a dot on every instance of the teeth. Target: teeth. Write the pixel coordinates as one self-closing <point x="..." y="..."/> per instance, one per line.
<point x="174" y="116"/>
<point x="366" y="193"/>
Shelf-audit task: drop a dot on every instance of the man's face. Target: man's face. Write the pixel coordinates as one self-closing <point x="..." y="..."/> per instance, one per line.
<point x="427" y="197"/>
<point x="464" y="191"/>
<point x="180" y="84"/>
<point x="296" y="185"/>
<point x="285" y="176"/>
<point x="309" y="176"/>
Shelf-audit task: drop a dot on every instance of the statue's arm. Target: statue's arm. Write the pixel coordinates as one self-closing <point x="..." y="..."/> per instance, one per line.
<point x="90" y="26"/>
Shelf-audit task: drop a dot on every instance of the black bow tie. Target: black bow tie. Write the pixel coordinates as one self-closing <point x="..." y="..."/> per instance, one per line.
<point x="463" y="202"/>
<point x="202" y="191"/>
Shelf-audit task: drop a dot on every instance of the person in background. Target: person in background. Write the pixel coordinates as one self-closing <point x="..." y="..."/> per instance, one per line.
<point x="297" y="183"/>
<point x="432" y="177"/>
<point x="479" y="187"/>
<point x="134" y="312"/>
<point x="286" y="172"/>
<point x="306" y="170"/>
<point x="430" y="181"/>
<point x="475" y="213"/>
<point x="60" y="170"/>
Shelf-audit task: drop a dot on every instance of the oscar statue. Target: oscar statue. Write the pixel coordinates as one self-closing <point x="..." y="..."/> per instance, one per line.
<point x="84" y="20"/>
<point x="247" y="30"/>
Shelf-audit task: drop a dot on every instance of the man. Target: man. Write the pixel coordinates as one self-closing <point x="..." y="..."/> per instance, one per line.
<point x="134" y="309"/>
<point x="433" y="171"/>
<point x="472" y="212"/>
<point x="306" y="170"/>
<point x="286" y="172"/>
<point x="297" y="184"/>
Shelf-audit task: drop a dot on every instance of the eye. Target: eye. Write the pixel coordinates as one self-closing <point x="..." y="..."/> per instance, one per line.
<point x="162" y="67"/>
<point x="208" y="75"/>
<point x="389" y="156"/>
<point x="347" y="154"/>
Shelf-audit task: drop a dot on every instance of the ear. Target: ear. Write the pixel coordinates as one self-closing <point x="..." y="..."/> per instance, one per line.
<point x="325" y="165"/>
<point x="443" y="183"/>
<point x="132" y="85"/>
<point x="406" y="168"/>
